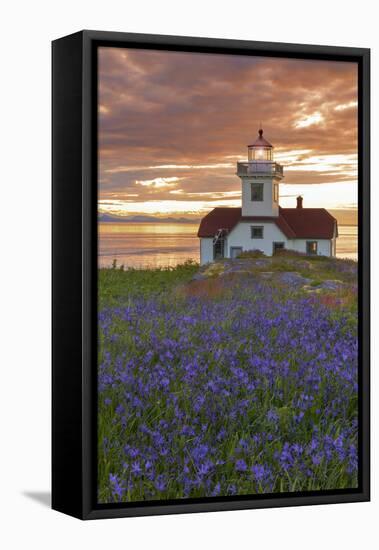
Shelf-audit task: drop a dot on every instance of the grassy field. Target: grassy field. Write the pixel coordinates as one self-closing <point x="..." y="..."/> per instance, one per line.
<point x="235" y="378"/>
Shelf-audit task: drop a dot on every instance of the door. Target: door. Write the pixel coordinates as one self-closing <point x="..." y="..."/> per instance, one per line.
<point x="277" y="246"/>
<point x="235" y="251"/>
<point x="218" y="248"/>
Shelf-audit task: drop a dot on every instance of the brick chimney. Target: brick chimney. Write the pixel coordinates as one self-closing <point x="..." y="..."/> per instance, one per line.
<point x="299" y="202"/>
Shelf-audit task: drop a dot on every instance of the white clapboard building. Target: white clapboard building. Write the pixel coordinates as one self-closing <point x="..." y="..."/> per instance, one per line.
<point x="261" y="223"/>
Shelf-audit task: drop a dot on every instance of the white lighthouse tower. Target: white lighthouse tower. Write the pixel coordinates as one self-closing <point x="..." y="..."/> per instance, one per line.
<point x="260" y="223"/>
<point x="260" y="177"/>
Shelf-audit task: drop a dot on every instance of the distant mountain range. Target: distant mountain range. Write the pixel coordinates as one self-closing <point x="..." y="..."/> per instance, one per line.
<point x="344" y="217"/>
<point x="102" y="217"/>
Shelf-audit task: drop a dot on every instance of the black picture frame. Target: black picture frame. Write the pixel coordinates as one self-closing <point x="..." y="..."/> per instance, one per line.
<point x="74" y="295"/>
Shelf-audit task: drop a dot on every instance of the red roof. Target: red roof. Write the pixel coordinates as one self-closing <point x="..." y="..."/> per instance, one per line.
<point x="310" y="223"/>
<point x="260" y="141"/>
<point x="219" y="218"/>
<point x="294" y="223"/>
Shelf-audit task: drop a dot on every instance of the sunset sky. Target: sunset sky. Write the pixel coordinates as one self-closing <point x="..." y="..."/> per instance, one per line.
<point x="173" y="125"/>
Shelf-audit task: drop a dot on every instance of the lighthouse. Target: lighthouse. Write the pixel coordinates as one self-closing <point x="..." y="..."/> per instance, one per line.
<point x="260" y="223"/>
<point x="260" y="178"/>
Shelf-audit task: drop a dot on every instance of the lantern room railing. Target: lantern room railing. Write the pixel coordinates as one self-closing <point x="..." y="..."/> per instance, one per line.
<point x="259" y="168"/>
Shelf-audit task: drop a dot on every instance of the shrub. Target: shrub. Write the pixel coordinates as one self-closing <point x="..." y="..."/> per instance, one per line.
<point x="251" y="254"/>
<point x="289" y="253"/>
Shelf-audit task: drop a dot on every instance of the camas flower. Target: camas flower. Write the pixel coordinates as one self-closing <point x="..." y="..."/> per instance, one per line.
<point x="241" y="465"/>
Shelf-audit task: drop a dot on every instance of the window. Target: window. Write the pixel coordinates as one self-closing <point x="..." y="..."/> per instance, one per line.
<point x="257" y="191"/>
<point x="256" y="232"/>
<point x="312" y="247"/>
<point x="276" y="192"/>
<point x="260" y="153"/>
<point x="277" y="246"/>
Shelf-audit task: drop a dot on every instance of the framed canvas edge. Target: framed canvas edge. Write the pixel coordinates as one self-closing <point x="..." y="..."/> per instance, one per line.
<point x="90" y="40"/>
<point x="66" y="421"/>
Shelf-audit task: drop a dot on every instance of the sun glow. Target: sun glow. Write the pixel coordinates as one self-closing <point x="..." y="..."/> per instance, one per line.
<point x="158" y="183"/>
<point x="315" y="118"/>
<point x="345" y="106"/>
<point x="211" y="194"/>
<point x="322" y="195"/>
<point x="346" y="165"/>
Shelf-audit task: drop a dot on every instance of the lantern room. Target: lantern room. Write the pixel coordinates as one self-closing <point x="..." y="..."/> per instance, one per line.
<point x="260" y="150"/>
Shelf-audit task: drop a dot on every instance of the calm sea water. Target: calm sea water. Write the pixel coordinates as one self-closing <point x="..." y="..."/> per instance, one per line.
<point x="168" y="244"/>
